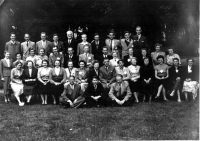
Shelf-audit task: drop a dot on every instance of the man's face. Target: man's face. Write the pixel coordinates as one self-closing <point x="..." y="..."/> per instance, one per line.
<point x="127" y="35"/>
<point x="144" y="52"/>
<point x="43" y="37"/>
<point x="96" y="65"/>
<point x="55" y="38"/>
<point x="170" y="51"/>
<point x="94" y="81"/>
<point x="26" y="37"/>
<point x="111" y="36"/>
<point x="42" y="52"/>
<point x="70" y="64"/>
<point x="130" y="51"/>
<point x="70" y="51"/>
<point x="71" y="80"/>
<point x="138" y="30"/>
<point x="84" y="38"/>
<point x="13" y="37"/>
<point x="190" y="62"/>
<point x="146" y="61"/>
<point x="119" y="79"/>
<point x="30" y="64"/>
<point x="7" y="55"/>
<point x="86" y="49"/>
<point x="55" y="50"/>
<point x="176" y="62"/>
<point x="105" y="51"/>
<point x="121" y="64"/>
<point x="157" y="48"/>
<point x="106" y="62"/>
<point x="18" y="57"/>
<point x="69" y="35"/>
<point x="96" y="38"/>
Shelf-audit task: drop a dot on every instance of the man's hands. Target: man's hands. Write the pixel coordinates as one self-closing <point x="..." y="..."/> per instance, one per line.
<point x="120" y="102"/>
<point x="71" y="103"/>
<point x="2" y="79"/>
<point x="95" y="97"/>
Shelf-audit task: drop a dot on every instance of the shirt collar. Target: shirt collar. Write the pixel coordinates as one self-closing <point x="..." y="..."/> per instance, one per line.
<point x="12" y="42"/>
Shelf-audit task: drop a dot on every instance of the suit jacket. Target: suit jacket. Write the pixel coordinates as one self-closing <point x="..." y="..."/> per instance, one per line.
<point x="116" y="45"/>
<point x="139" y="44"/>
<point x="70" y="73"/>
<point x="25" y="48"/>
<point x="47" y="47"/>
<point x="5" y="70"/>
<point x="194" y="75"/>
<point x="125" y="93"/>
<point x="91" y="91"/>
<point x="82" y="76"/>
<point x="107" y="76"/>
<point x="13" y="49"/>
<point x="173" y="74"/>
<point x="97" y="48"/>
<point x="74" y="59"/>
<point x="125" y="47"/>
<point x="141" y="60"/>
<point x="26" y="76"/>
<point x="88" y="59"/>
<point x="80" y="48"/>
<point x="101" y="59"/>
<point x="53" y="58"/>
<point x="147" y="72"/>
<point x="59" y="45"/>
<point x="92" y="73"/>
<point x="72" y="44"/>
<point x="72" y="94"/>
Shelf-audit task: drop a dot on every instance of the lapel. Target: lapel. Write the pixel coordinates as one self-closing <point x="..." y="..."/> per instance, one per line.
<point x="122" y="88"/>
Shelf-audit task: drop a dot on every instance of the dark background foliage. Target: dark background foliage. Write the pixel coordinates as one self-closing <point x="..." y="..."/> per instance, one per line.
<point x="179" y="19"/>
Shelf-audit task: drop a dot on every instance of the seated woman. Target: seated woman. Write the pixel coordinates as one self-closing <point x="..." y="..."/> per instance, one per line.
<point x="44" y="82"/>
<point x="134" y="82"/>
<point x="32" y="57"/>
<point x="175" y="75"/>
<point x="124" y="71"/>
<point x="113" y="62"/>
<point x="57" y="77"/>
<point x="40" y="58"/>
<point x="70" y="71"/>
<point x="147" y="79"/>
<point x="161" y="75"/>
<point x="82" y="75"/>
<point x="19" y="59"/>
<point x="127" y="58"/>
<point x="190" y="78"/>
<point x="16" y="82"/>
<point x="94" y="94"/>
<point x="29" y="80"/>
<point x="5" y="70"/>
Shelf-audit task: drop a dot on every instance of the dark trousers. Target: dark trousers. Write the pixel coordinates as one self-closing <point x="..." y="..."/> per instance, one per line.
<point x="113" y="103"/>
<point x="93" y="103"/>
<point x="78" y="103"/>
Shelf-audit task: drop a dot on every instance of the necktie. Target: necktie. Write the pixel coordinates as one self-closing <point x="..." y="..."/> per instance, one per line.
<point x="119" y="93"/>
<point x="96" y="72"/>
<point x="27" y="44"/>
<point x="95" y="87"/>
<point x="111" y="44"/>
<point x="69" y="41"/>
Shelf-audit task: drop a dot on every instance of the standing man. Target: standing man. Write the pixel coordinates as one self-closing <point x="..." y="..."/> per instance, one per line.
<point x="70" y="43"/>
<point x="112" y="44"/>
<point x="43" y="43"/>
<point x="103" y="56"/>
<point x="56" y="43"/>
<point x="13" y="46"/>
<point x="25" y="46"/>
<point x="126" y="43"/>
<point x="71" y="56"/>
<point x="56" y="56"/>
<point x="86" y="56"/>
<point x="139" y="41"/>
<point x="97" y="46"/>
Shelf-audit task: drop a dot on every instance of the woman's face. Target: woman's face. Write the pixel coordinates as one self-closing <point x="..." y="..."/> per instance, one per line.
<point x="176" y="62"/>
<point x="133" y="61"/>
<point x="82" y="65"/>
<point x="19" y="66"/>
<point x="70" y="65"/>
<point x="44" y="64"/>
<point x="114" y="55"/>
<point x="160" y="60"/>
<point x="146" y="61"/>
<point x="157" y="48"/>
<point x="30" y="65"/>
<point x="121" y="64"/>
<point x="7" y="55"/>
<point x="57" y="64"/>
<point x="41" y="52"/>
<point x="144" y="52"/>
<point x="32" y="53"/>
<point x="18" y="57"/>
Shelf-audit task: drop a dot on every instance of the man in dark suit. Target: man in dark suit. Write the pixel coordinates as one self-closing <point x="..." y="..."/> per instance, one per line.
<point x="139" y="41"/>
<point x="94" y="71"/>
<point x="120" y="93"/>
<point x="104" y="55"/>
<point x="94" y="94"/>
<point x="96" y="46"/>
<point x="143" y="56"/>
<point x="127" y="58"/>
<point x="71" y="56"/>
<point x="72" y="95"/>
<point x="107" y="75"/>
<point x="13" y="46"/>
<point x="70" y="43"/>
<point x="56" y="43"/>
<point x="43" y="43"/>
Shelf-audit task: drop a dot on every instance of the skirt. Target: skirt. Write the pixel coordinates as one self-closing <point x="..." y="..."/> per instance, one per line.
<point x="56" y="90"/>
<point x="134" y="86"/>
<point x="191" y="87"/>
<point x="6" y="85"/>
<point x="18" y="89"/>
<point x="44" y="89"/>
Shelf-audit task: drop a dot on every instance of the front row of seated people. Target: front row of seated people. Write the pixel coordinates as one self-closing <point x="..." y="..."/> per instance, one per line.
<point x="97" y="86"/>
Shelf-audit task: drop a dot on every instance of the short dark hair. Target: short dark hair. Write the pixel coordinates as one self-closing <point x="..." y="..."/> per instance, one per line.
<point x="83" y="62"/>
<point x="45" y="61"/>
<point x="160" y="56"/>
<point x="95" y="61"/>
<point x="29" y="61"/>
<point x="55" y="35"/>
<point x="58" y="61"/>
<point x="104" y="47"/>
<point x="147" y="58"/>
<point x="190" y="59"/>
<point x="143" y="49"/>
<point x="95" y="34"/>
<point x="43" y="33"/>
<point x="17" y="54"/>
<point x="72" y="76"/>
<point x="70" y="61"/>
<point x="31" y="49"/>
<point x="176" y="59"/>
<point x="18" y="62"/>
<point x="86" y="45"/>
<point x="42" y="49"/>
<point x="120" y="60"/>
<point x="158" y="44"/>
<point x="95" y="77"/>
<point x="126" y="32"/>
<point x="12" y="33"/>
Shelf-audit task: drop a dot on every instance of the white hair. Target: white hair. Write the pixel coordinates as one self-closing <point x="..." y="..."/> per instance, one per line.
<point x="69" y="32"/>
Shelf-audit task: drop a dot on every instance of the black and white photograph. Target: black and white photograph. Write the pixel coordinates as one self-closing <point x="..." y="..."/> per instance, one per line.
<point x="99" y="70"/>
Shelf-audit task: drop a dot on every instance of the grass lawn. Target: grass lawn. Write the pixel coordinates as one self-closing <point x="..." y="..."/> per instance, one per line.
<point x="143" y="121"/>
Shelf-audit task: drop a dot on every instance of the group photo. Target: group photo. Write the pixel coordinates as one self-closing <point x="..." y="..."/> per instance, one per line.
<point x="99" y="70"/>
